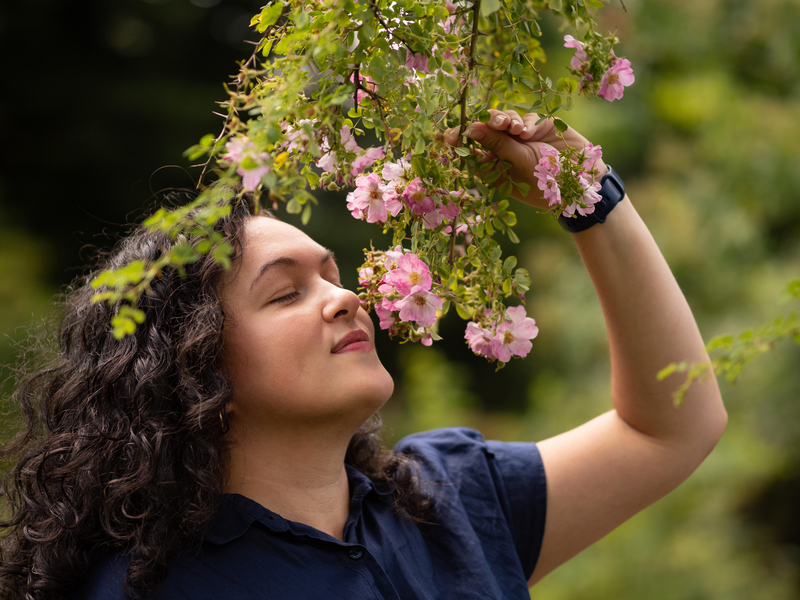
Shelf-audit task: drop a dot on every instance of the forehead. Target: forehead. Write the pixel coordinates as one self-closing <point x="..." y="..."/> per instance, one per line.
<point x="267" y="239"/>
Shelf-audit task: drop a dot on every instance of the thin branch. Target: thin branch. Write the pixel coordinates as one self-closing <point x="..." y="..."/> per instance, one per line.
<point x="241" y="79"/>
<point x="476" y="7"/>
<point x="376" y="11"/>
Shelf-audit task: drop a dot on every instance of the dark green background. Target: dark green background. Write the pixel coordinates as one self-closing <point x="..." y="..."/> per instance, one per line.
<point x="101" y="98"/>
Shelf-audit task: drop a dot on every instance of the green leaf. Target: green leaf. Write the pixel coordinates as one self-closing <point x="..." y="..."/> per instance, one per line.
<point x="505" y="189"/>
<point x="512" y="236"/>
<point x="419" y="148"/>
<point x="293" y="207"/>
<point x="269" y="16"/>
<point x="510" y="263"/>
<point x="670" y="369"/>
<point x="461" y="151"/>
<point x="489" y="7"/>
<point x="491" y="176"/>
<point x="306" y="216"/>
<point x="567" y="84"/>
<point x="450" y="84"/>
<point x="524" y="188"/>
<point x="560" y="125"/>
<point x="463" y="312"/>
<point x="222" y="253"/>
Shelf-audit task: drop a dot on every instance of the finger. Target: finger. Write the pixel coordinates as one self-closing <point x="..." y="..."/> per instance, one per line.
<point x="517" y="125"/>
<point x="543" y="130"/>
<point x="498" y="142"/>
<point x="499" y="120"/>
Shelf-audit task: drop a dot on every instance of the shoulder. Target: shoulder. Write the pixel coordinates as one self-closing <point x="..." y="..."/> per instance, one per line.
<point x="457" y="450"/>
<point x="485" y="479"/>
<point x="106" y="580"/>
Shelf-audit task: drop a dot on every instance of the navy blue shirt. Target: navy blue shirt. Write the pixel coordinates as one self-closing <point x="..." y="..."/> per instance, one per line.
<point x="490" y="499"/>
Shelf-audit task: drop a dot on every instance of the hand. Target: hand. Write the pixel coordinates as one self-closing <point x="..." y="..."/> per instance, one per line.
<point x="518" y="140"/>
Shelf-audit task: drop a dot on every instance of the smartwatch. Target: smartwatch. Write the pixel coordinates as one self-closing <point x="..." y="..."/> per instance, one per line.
<point x="612" y="191"/>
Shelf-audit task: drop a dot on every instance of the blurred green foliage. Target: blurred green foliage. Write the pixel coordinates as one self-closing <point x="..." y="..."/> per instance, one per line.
<point x="706" y="141"/>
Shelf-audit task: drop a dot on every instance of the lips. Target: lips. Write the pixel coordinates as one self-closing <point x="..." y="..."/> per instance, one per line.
<point x="355" y="340"/>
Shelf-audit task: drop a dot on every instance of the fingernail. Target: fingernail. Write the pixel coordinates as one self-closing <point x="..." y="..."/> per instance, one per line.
<point x="524" y="130"/>
<point x="500" y="119"/>
<point x="451" y="132"/>
<point x="476" y="134"/>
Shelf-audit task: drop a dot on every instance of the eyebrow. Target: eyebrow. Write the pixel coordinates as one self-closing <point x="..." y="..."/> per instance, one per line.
<point x="287" y="261"/>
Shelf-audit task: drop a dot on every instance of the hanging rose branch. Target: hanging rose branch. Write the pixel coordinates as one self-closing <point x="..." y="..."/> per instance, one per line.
<point x="324" y="73"/>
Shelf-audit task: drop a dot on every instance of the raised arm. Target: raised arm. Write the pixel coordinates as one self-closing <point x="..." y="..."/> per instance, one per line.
<point x="605" y="471"/>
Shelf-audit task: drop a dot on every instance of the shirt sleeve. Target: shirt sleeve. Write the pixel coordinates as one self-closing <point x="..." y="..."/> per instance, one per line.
<point x="513" y="471"/>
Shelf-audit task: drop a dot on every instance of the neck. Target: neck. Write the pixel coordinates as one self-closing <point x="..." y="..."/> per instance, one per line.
<point x="296" y="472"/>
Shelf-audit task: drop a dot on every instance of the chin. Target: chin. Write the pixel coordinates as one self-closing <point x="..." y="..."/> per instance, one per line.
<point x="378" y="389"/>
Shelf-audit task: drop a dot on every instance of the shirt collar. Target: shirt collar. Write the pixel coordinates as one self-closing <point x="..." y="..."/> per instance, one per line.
<point x="236" y="513"/>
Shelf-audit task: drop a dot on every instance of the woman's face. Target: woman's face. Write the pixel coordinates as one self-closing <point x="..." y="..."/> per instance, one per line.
<point x="297" y="346"/>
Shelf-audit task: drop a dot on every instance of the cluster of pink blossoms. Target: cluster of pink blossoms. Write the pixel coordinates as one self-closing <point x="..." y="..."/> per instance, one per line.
<point x="376" y="197"/>
<point x="617" y="77"/>
<point x="329" y="161"/>
<point x="510" y="338"/>
<point x="550" y="173"/>
<point x="252" y="165"/>
<point x="406" y="290"/>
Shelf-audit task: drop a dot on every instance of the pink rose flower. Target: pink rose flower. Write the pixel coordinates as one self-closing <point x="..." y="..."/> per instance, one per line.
<point x="618" y="77"/>
<point x="419" y="306"/>
<point x="591" y="154"/>
<point x="550" y="161"/>
<point x="243" y="151"/>
<point x="392" y="198"/>
<point x="391" y="257"/>
<point x="354" y="207"/>
<point x="416" y="198"/>
<point x="396" y="171"/>
<point x="580" y="54"/>
<point x="365" y="276"/>
<point x="513" y="336"/>
<point x="328" y="162"/>
<point x="348" y="141"/>
<point x="549" y="186"/>
<point x="416" y="61"/>
<point x="366" y="82"/>
<point x="365" y="160"/>
<point x="387" y="320"/>
<point x="480" y="340"/>
<point x="410" y="273"/>
<point x="590" y="195"/>
<point x="368" y="197"/>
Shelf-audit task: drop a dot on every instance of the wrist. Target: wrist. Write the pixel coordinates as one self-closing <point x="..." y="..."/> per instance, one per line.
<point x="612" y="192"/>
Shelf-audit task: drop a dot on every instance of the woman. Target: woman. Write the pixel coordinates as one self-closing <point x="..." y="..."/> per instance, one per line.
<point x="222" y="451"/>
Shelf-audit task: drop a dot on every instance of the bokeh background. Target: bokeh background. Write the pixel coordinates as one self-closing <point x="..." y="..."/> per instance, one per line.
<point x="101" y="98"/>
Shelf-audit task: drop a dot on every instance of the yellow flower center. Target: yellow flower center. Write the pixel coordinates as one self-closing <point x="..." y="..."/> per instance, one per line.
<point x="613" y="78"/>
<point x="419" y="300"/>
<point x="508" y="337"/>
<point x="414" y="278"/>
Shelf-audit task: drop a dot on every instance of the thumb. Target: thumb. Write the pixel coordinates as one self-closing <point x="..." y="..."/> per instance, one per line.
<point x="499" y="143"/>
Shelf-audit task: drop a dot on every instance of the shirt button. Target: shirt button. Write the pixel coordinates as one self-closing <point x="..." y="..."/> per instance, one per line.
<point x="355" y="553"/>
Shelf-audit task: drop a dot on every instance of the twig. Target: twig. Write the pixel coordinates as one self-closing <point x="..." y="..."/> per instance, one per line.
<point x="376" y="11"/>
<point x="476" y="7"/>
<point x="241" y="81"/>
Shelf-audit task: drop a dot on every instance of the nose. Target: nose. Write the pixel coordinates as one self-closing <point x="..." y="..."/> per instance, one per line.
<point x="341" y="302"/>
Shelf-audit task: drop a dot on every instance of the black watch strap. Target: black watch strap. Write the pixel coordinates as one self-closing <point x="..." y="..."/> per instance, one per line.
<point x="612" y="191"/>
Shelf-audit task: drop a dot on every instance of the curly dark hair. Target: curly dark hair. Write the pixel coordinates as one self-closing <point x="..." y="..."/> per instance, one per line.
<point x="122" y="449"/>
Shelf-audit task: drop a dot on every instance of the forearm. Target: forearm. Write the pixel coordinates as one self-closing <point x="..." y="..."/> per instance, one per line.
<point x="649" y="326"/>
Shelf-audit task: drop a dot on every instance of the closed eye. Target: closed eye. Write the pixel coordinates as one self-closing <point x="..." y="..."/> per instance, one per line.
<point x="286" y="298"/>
